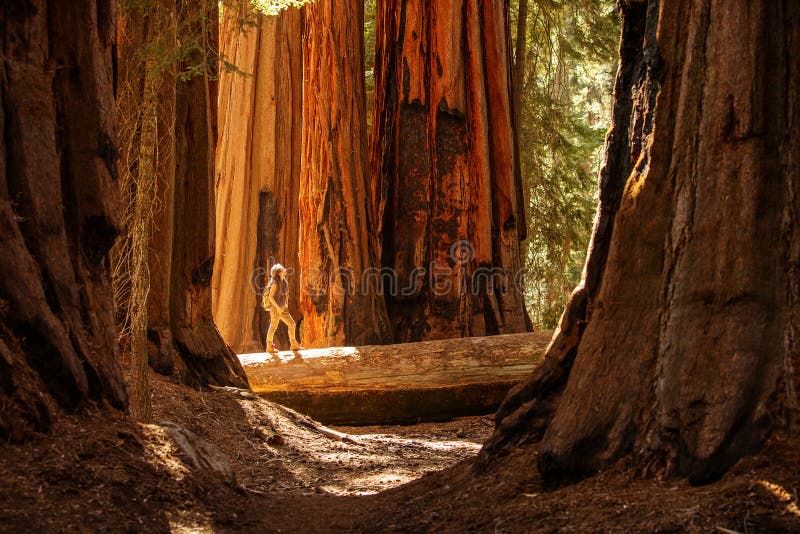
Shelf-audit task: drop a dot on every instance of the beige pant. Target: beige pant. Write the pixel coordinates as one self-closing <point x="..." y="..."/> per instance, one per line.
<point x="275" y="317"/>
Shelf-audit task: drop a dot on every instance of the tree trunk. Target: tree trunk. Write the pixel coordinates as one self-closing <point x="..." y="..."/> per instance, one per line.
<point x="517" y="83"/>
<point x="687" y="353"/>
<point x="159" y="329"/>
<point x="339" y="304"/>
<point x="145" y="126"/>
<point x="58" y="212"/>
<point x="520" y="55"/>
<point x="406" y="366"/>
<point x="443" y="161"/>
<point x="258" y="180"/>
<point x="393" y="384"/>
<point x="208" y="359"/>
<point x="168" y="137"/>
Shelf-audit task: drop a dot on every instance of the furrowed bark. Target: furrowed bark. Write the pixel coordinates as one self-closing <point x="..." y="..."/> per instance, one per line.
<point x="58" y="212"/>
<point x="177" y="148"/>
<point x="208" y="359"/>
<point x="445" y="182"/>
<point x="338" y="298"/>
<point x="258" y="173"/>
<point x="527" y="410"/>
<point x="689" y="355"/>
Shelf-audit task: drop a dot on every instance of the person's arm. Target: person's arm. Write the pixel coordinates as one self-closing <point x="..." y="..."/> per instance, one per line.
<point x="272" y="290"/>
<point x="266" y="298"/>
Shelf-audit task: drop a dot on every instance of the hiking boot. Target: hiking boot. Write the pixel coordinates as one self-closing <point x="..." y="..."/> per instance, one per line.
<point x="271" y="348"/>
<point x="297" y="346"/>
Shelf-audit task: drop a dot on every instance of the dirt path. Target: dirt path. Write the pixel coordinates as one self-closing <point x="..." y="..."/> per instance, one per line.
<point x="273" y="449"/>
<point x="395" y="455"/>
<point x="100" y="472"/>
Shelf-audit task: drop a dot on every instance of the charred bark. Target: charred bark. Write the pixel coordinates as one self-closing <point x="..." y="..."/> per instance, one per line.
<point x="446" y="191"/>
<point x="58" y="212"/>
<point x="686" y="354"/>
<point x="336" y="255"/>
<point x="258" y="180"/>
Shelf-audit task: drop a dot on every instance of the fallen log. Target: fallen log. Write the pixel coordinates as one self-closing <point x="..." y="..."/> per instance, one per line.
<point x="397" y="384"/>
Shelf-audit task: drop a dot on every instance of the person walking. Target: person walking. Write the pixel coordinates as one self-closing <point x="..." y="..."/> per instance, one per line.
<point x="276" y="301"/>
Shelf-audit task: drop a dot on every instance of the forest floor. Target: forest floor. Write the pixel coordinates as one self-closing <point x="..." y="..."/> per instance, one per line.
<point x="99" y="471"/>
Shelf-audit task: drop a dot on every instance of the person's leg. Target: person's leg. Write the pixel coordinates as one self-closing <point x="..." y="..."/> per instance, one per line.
<point x="286" y="317"/>
<point x="274" y="321"/>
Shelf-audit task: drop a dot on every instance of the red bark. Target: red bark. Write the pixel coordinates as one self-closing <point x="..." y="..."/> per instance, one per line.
<point x="258" y="173"/>
<point x="58" y="211"/>
<point x="182" y="337"/>
<point x="689" y="353"/>
<point x="446" y="192"/>
<point x="335" y="224"/>
<point x="208" y="359"/>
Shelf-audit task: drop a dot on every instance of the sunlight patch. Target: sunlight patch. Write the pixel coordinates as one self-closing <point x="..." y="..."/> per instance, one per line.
<point x="783" y="496"/>
<point x="286" y="356"/>
<point x="373" y="483"/>
<point x="162" y="453"/>
<point x="190" y="523"/>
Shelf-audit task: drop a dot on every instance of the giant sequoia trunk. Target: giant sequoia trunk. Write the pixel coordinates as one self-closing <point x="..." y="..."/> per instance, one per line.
<point x="338" y="302"/>
<point x="448" y="197"/>
<point x="209" y="360"/>
<point x="681" y="344"/>
<point x="58" y="211"/>
<point x="169" y="131"/>
<point x="258" y="172"/>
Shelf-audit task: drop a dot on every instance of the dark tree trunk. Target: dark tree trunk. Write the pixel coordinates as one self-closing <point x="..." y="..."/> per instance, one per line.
<point x="681" y="343"/>
<point x="447" y="194"/>
<point x="208" y="359"/>
<point x="336" y="254"/>
<point x="58" y="211"/>
<point x="519" y="62"/>
<point x="160" y="342"/>
<point x="258" y="180"/>
<point x="521" y="53"/>
<point x="178" y="144"/>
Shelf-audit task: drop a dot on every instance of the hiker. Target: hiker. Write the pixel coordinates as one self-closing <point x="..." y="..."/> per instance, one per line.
<point x="276" y="301"/>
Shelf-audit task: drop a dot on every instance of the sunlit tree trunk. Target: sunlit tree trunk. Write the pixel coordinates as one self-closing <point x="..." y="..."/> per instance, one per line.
<point x="258" y="172"/>
<point x="681" y="344"/>
<point x="335" y="251"/>
<point x="59" y="208"/>
<point x="446" y="191"/>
